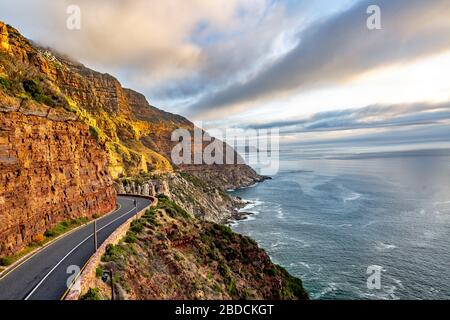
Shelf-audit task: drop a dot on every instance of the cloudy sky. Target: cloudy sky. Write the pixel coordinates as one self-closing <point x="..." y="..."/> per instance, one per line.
<point x="310" y="68"/>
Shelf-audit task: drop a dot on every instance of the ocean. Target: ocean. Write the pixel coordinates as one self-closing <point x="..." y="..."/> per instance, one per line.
<point x="328" y="219"/>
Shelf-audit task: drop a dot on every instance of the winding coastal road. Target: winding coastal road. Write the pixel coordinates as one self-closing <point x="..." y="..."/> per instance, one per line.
<point x="44" y="275"/>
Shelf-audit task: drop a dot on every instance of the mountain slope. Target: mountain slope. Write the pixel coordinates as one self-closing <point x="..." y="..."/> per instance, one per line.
<point x="68" y="131"/>
<point x="167" y="254"/>
<point x="136" y="134"/>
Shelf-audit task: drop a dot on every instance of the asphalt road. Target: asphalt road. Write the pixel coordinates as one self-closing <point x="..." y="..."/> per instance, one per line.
<point x="45" y="275"/>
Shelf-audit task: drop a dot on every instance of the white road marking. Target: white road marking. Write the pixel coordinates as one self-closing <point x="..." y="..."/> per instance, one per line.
<point x="70" y="252"/>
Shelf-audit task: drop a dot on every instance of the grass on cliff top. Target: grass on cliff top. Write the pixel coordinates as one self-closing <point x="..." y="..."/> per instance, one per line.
<point x="27" y="82"/>
<point x="40" y="240"/>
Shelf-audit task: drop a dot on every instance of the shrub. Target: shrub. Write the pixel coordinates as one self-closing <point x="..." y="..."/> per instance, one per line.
<point x="292" y="286"/>
<point x="39" y="238"/>
<point x="65" y="226"/>
<point x="130" y="237"/>
<point x="94" y="132"/>
<point x="150" y="218"/>
<point x="271" y="272"/>
<point x="6" y="261"/>
<point x="231" y="286"/>
<point x="34" y="89"/>
<point x="172" y="208"/>
<point x="178" y="257"/>
<point x="5" y="83"/>
<point x="225" y="230"/>
<point x="137" y="226"/>
<point x="92" y="294"/>
<point x="195" y="181"/>
<point x="98" y="272"/>
<point x="50" y="233"/>
<point x="113" y="253"/>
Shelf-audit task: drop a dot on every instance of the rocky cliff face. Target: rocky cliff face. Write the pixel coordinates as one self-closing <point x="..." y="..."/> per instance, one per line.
<point x="137" y="135"/>
<point x="66" y="131"/>
<point x="51" y="169"/>
<point x="65" y="95"/>
<point x="199" y="198"/>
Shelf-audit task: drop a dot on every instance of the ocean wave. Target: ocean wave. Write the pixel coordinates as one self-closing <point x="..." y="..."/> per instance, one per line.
<point x="352" y="197"/>
<point x="303" y="243"/>
<point x="369" y="224"/>
<point x="243" y="188"/>
<point x="277" y="244"/>
<point x="332" y="286"/>
<point x="250" y="218"/>
<point x="441" y="203"/>
<point x="344" y="225"/>
<point x="305" y="264"/>
<point x="250" y="205"/>
<point x="381" y="246"/>
<point x="250" y="186"/>
<point x="331" y="226"/>
<point x="280" y="214"/>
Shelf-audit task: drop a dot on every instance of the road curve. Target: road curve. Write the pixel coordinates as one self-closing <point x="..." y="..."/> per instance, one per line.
<point x="44" y="276"/>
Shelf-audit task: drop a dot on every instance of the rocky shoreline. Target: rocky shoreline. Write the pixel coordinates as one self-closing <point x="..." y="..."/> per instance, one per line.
<point x="240" y="213"/>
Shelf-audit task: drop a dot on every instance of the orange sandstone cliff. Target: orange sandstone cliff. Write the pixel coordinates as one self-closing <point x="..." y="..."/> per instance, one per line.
<point x="67" y="131"/>
<point x="55" y="113"/>
<point x="51" y="168"/>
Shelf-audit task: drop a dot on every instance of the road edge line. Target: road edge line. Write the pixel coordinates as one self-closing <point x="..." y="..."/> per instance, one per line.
<point x="71" y="251"/>
<point x="74" y="294"/>
<point x="31" y="254"/>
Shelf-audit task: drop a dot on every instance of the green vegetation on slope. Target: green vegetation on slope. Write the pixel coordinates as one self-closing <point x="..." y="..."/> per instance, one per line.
<point x="120" y="134"/>
<point x="167" y="254"/>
